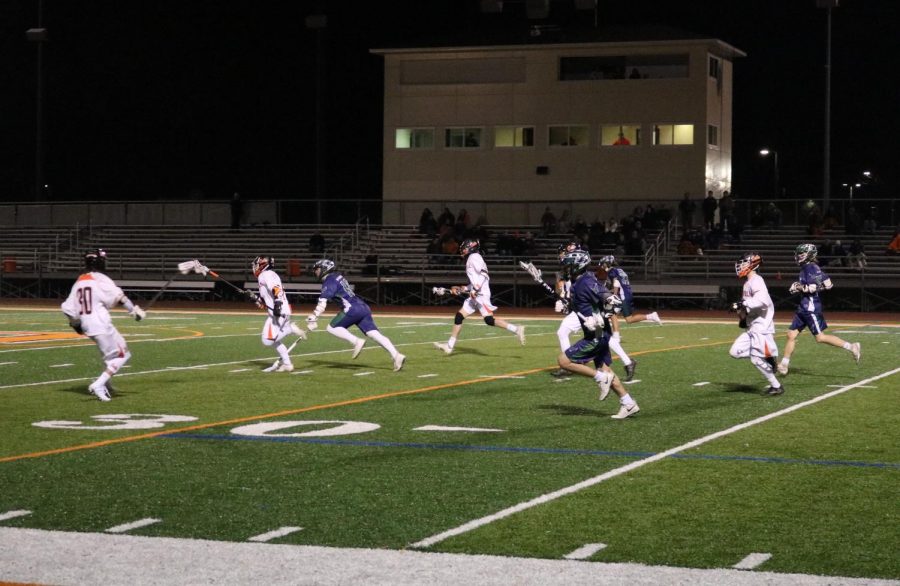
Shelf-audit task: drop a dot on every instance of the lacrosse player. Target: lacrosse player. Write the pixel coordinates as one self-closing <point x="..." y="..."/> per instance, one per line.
<point x="809" y="311"/>
<point x="278" y="323"/>
<point x="618" y="282"/>
<point x="87" y="308"/>
<point x="479" y="297"/>
<point x="354" y="311"/>
<point x="570" y="323"/>
<point x="589" y="300"/>
<point x="757" y="314"/>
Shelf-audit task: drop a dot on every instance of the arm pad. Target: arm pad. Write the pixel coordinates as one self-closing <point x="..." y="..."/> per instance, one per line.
<point x="320" y="307"/>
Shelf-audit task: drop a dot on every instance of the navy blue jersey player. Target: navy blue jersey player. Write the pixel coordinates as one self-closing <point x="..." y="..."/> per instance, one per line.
<point x="354" y="312"/>
<point x="811" y="281"/>
<point x="590" y="300"/>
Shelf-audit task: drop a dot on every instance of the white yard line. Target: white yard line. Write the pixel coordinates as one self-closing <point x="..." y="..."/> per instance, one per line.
<point x="751" y="561"/>
<point x="133" y="525"/>
<point x="280" y="532"/>
<point x="546" y="498"/>
<point x="13" y="514"/>
<point x="585" y="551"/>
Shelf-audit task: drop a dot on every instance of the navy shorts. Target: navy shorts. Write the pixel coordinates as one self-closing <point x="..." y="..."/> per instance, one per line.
<point x="627" y="308"/>
<point x="585" y="350"/>
<point x="358" y="315"/>
<point x="808" y="319"/>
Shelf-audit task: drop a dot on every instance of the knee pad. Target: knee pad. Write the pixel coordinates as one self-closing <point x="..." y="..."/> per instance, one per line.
<point x="459" y="318"/>
<point x="489" y="320"/>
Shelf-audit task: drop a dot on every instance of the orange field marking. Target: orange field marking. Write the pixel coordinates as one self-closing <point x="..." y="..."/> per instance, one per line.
<point x="20" y="337"/>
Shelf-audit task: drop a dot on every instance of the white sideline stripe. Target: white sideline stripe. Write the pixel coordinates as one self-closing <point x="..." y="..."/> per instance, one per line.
<point x="751" y="561"/>
<point x="585" y="551"/>
<point x="133" y="525"/>
<point x="280" y="532"/>
<point x="451" y="428"/>
<point x="546" y="498"/>
<point x="860" y="386"/>
<point x="700" y="384"/>
<point x="13" y="514"/>
<point x="366" y="373"/>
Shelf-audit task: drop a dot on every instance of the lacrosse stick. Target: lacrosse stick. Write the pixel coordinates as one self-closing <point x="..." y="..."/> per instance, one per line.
<point x="183" y="268"/>
<point x="536" y="275"/>
<point x="446" y="291"/>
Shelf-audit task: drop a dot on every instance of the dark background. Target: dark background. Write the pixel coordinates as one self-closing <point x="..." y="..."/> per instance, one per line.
<point x="201" y="98"/>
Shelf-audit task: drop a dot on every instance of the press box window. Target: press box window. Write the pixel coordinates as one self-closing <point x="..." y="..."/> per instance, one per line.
<point x="462" y="138"/>
<point x="715" y="67"/>
<point x="712" y="135"/>
<point x="414" y="138"/>
<point x="567" y="136"/>
<point x="513" y="136"/>
<point x="667" y="134"/>
<point x="620" y="135"/>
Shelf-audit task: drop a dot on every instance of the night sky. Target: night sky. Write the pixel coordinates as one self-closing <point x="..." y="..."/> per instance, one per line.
<point x="151" y="99"/>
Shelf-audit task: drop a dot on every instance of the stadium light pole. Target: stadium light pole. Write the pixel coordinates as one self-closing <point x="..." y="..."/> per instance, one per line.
<point x="775" y="180"/>
<point x="318" y="23"/>
<point x="39" y="36"/>
<point x="826" y="174"/>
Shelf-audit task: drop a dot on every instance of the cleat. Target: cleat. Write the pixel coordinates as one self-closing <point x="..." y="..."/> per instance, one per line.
<point x="626" y="411"/>
<point x="101" y="392"/>
<point x="357" y="347"/>
<point x="629" y="370"/>
<point x="298" y="331"/>
<point x="654" y="317"/>
<point x="560" y="372"/>
<point x="782" y="369"/>
<point x="444" y="347"/>
<point x="856" y="349"/>
<point x="770" y="360"/>
<point x="274" y="367"/>
<point x="285" y="368"/>
<point x="399" y="359"/>
<point x="521" y="335"/>
<point x="773" y="391"/>
<point x="605" y="384"/>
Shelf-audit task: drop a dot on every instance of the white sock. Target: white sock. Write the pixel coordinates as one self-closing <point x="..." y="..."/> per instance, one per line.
<point x="451" y="342"/>
<point x="785" y="361"/>
<point x="512" y="328"/>
<point x="766" y="369"/>
<point x="626" y="400"/>
<point x="283" y="353"/>
<point x="846" y="346"/>
<point x="616" y="347"/>
<point x="102" y="379"/>
<point x="343" y="334"/>
<point x="383" y="341"/>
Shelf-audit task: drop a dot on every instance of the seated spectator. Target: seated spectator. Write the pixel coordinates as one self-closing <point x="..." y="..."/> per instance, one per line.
<point x="427" y="223"/>
<point x="580" y="229"/>
<point x="548" y="222"/>
<point x="686" y="247"/>
<point x="449" y="245"/>
<point x="446" y="220"/>
<point x="856" y="255"/>
<point x="317" y="243"/>
<point x="371" y="263"/>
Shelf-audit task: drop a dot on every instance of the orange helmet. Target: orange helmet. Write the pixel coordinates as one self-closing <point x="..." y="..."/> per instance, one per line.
<point x="749" y="262"/>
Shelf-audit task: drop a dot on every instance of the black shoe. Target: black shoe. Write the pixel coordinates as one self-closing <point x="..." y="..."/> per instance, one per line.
<point x="560" y="372"/>
<point x="772" y="391"/>
<point x="772" y="363"/>
<point x="629" y="370"/>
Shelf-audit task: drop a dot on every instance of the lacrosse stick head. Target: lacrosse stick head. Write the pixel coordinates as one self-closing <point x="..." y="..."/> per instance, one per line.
<point x="187" y="266"/>
<point x="439" y="291"/>
<point x="531" y="269"/>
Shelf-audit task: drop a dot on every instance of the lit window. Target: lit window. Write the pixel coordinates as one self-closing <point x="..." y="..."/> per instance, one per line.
<point x="666" y="134"/>
<point x="462" y="138"/>
<point x="620" y="135"/>
<point x="414" y="138"/>
<point x="513" y="136"/>
<point x="567" y="136"/>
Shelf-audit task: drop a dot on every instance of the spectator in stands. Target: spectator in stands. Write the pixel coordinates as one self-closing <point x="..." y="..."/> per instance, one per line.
<point x="564" y="225"/>
<point x="317" y="243"/>
<point x="595" y="235"/>
<point x="548" y="222"/>
<point x="830" y="219"/>
<point x="854" y="221"/>
<point x="710" y="205"/>
<point x="449" y="245"/>
<point x="434" y="250"/>
<point x="446" y="220"/>
<point x="427" y="223"/>
<point x="686" y="247"/>
<point x="612" y="224"/>
<point x="464" y="219"/>
<point x="651" y="218"/>
<point x="856" y="255"/>
<point x="772" y="215"/>
<point x="734" y="227"/>
<point x="621" y="140"/>
<point x="893" y="246"/>
<point x="371" y="261"/>
<point x="726" y="206"/>
<point x="816" y="225"/>
<point x="580" y="229"/>
<point x="237" y="211"/>
<point x="870" y="224"/>
<point x="686" y="208"/>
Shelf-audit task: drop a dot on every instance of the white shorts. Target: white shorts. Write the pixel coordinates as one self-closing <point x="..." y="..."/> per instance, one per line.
<point x="754" y="344"/>
<point x="570" y="324"/>
<point x="480" y="303"/>
<point x="111" y="345"/>
<point x="275" y="330"/>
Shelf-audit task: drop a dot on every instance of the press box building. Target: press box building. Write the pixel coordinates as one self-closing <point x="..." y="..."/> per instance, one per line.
<point x="591" y="121"/>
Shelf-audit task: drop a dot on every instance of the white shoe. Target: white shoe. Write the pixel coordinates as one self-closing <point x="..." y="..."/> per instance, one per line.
<point x="399" y="359"/>
<point x="284" y="367"/>
<point x="654" y="317"/>
<point x="605" y="383"/>
<point x="445" y="347"/>
<point x="782" y="368"/>
<point x="357" y="347"/>
<point x="521" y="335"/>
<point x="298" y="331"/>
<point x="100" y="391"/>
<point x="856" y="349"/>
<point x="274" y="367"/>
<point x="626" y="411"/>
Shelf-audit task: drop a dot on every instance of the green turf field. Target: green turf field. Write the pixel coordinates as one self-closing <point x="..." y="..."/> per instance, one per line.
<point x="198" y="438"/>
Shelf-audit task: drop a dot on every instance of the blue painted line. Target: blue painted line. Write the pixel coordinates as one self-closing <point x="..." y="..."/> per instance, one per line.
<point x="515" y="449"/>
